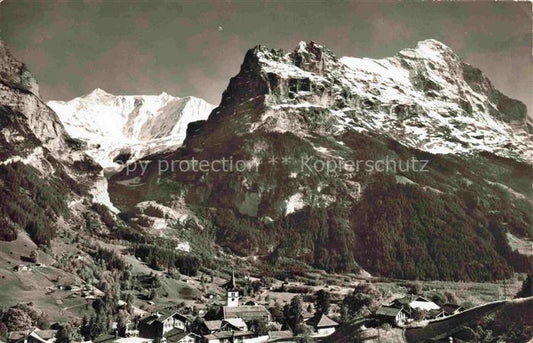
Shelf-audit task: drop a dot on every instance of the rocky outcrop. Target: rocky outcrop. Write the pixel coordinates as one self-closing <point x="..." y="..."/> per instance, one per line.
<point x="425" y="97"/>
<point x="33" y="135"/>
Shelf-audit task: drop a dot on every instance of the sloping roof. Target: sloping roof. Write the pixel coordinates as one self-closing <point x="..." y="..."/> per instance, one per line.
<point x="237" y="323"/>
<point x="44" y="334"/>
<point x="321" y="321"/>
<point x="165" y="314"/>
<point x="17" y="335"/>
<point x="405" y="300"/>
<point x="246" y="312"/>
<point x="175" y="335"/>
<point x="148" y="320"/>
<point x="388" y="311"/>
<point x="228" y="334"/>
<point x="424" y="304"/>
<point x="213" y="325"/>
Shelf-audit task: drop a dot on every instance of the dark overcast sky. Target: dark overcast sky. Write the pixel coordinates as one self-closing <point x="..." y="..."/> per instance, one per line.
<point x="146" y="48"/>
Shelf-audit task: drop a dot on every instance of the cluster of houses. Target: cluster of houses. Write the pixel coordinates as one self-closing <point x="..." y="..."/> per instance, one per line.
<point x="405" y="310"/>
<point x="170" y="326"/>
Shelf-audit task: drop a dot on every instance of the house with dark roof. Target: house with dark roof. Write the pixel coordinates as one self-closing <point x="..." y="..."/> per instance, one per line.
<point x="179" y="336"/>
<point x="323" y="325"/>
<point x="42" y="336"/>
<point x="212" y="325"/>
<point x="392" y="315"/>
<point x="411" y="303"/>
<point x="157" y="324"/>
<point x="228" y="337"/>
<point x="247" y="313"/>
<point x="234" y="324"/>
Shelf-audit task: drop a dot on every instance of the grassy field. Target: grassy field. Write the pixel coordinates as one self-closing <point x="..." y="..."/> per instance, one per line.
<point x="39" y="285"/>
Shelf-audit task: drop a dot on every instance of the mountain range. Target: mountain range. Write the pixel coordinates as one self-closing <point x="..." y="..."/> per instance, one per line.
<point x="282" y="110"/>
<point x="129" y="127"/>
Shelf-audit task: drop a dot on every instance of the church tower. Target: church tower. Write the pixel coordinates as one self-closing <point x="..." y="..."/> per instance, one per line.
<point x="232" y="292"/>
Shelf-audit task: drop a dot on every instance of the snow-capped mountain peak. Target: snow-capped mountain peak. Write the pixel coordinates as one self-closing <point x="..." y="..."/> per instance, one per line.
<point x="425" y="97"/>
<point x="133" y="125"/>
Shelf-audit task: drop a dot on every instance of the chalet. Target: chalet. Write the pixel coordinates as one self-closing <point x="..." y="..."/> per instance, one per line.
<point x="421" y="303"/>
<point x="228" y="337"/>
<point x="233" y="324"/>
<point x="179" y="336"/>
<point x="392" y="315"/>
<point x="213" y="325"/>
<point x="323" y="325"/>
<point x="158" y="324"/>
<point x="413" y="302"/>
<point x="42" y="336"/>
<point x="131" y="330"/>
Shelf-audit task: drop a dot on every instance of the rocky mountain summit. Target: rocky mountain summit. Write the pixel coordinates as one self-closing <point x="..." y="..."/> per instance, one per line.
<point x="426" y="98"/>
<point x="285" y="113"/>
<point x="129" y="127"/>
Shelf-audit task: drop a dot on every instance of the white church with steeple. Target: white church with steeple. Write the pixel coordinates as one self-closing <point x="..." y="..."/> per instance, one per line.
<point x="232" y="292"/>
<point x="245" y="312"/>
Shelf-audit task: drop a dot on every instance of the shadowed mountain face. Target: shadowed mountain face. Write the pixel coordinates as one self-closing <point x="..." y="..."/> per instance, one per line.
<point x="299" y="123"/>
<point x="44" y="177"/>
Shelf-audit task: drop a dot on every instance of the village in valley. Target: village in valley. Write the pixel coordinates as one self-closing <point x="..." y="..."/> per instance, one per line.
<point x="135" y="304"/>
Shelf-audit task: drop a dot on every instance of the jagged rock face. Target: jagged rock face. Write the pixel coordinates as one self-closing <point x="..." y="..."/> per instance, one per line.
<point x="309" y="102"/>
<point x="426" y="98"/>
<point x="15" y="73"/>
<point x="282" y="109"/>
<point x="129" y="127"/>
<point x="19" y="91"/>
<point x="35" y="143"/>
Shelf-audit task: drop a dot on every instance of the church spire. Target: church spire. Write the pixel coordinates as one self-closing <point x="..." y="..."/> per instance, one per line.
<point x="232" y="291"/>
<point x="231" y="284"/>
